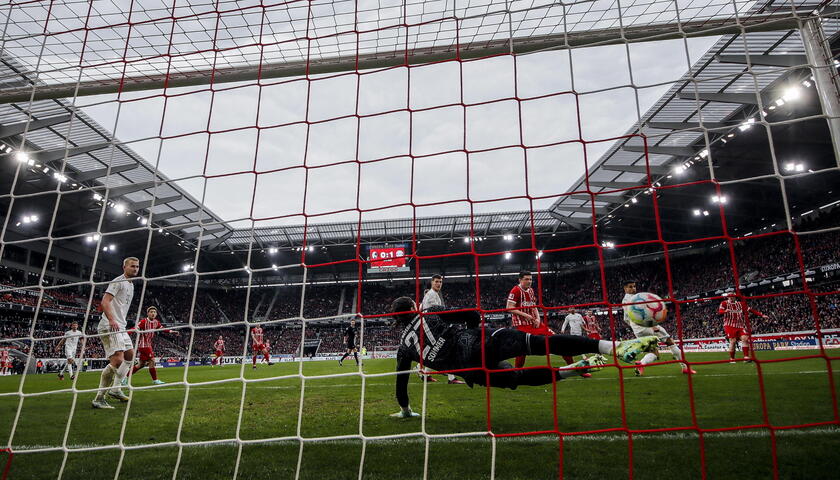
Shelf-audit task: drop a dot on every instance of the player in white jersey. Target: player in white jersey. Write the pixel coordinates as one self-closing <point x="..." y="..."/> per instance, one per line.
<point x="575" y="323"/>
<point x="657" y="330"/>
<point x="115" y="340"/>
<point x="431" y="299"/>
<point x="71" y="343"/>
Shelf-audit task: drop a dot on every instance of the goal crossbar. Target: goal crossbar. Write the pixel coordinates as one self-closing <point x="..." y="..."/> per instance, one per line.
<point x="517" y="45"/>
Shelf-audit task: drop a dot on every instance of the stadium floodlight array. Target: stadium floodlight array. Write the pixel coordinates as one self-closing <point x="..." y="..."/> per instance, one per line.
<point x="312" y="97"/>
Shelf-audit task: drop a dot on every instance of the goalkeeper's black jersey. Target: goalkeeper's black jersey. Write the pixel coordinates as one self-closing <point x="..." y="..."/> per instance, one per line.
<point x="440" y="340"/>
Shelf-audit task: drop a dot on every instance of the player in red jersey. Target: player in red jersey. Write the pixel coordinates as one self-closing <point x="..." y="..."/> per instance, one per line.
<point x="258" y="345"/>
<point x="146" y="329"/>
<point x="735" y="326"/>
<point x="5" y="361"/>
<point x="219" y="346"/>
<point x="525" y="316"/>
<point x="590" y="326"/>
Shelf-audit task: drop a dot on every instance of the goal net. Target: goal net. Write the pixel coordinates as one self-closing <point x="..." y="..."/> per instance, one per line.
<point x="282" y="172"/>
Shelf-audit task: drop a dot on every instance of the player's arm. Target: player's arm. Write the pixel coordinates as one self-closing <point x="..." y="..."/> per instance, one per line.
<point x="60" y="343"/>
<point x="565" y="324"/>
<point x="108" y="311"/>
<point x="169" y="330"/>
<point x="722" y="308"/>
<point x="403" y="366"/>
<point x="511" y="307"/>
<point x="756" y="312"/>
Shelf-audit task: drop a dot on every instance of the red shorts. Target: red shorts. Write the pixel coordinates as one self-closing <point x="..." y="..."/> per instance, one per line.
<point x="735" y="332"/>
<point x="219" y="353"/>
<point x="146" y="354"/>
<point x="541" y="330"/>
<point x="595" y="336"/>
<point x="257" y="347"/>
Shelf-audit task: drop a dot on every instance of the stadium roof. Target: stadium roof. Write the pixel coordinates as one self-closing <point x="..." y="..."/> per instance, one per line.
<point x="715" y="98"/>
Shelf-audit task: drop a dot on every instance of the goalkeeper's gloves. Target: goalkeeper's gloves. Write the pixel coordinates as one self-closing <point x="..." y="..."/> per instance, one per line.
<point x="405" y="412"/>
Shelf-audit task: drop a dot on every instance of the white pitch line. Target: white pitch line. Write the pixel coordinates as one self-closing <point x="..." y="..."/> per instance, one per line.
<point x="610" y="437"/>
<point x="236" y="386"/>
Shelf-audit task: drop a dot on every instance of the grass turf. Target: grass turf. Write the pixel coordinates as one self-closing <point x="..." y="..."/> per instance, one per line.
<point x="724" y="396"/>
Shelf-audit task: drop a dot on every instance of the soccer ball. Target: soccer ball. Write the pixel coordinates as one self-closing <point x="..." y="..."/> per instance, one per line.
<point x="646" y="314"/>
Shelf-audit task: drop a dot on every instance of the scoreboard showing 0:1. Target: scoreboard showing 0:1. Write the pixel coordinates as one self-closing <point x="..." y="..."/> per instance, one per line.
<point x="386" y="259"/>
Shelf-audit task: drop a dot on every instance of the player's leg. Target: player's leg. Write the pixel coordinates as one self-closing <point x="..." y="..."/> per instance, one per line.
<point x="121" y="376"/>
<point x="520" y="360"/>
<point x="71" y="363"/>
<point x="732" y="341"/>
<point x="506" y="376"/>
<point x="674" y="348"/>
<point x="106" y="379"/>
<point x="153" y="371"/>
<point x="745" y="346"/>
<point x="506" y="343"/>
<point x="356" y="356"/>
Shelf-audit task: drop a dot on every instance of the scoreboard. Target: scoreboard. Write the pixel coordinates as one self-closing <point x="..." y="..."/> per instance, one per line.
<point x="386" y="259"/>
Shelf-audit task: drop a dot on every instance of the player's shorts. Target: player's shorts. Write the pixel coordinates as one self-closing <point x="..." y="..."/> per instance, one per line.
<point x="594" y="336"/>
<point x="734" y="332"/>
<point x="219" y="353"/>
<point x="257" y="347"/>
<point x="70" y="354"/>
<point x="541" y="330"/>
<point x="114" y="342"/>
<point x="145" y="354"/>
<point x="579" y="333"/>
<point x="351" y="346"/>
<point x="657" y="331"/>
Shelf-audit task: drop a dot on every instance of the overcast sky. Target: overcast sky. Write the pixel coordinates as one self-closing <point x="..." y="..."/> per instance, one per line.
<point x="601" y="76"/>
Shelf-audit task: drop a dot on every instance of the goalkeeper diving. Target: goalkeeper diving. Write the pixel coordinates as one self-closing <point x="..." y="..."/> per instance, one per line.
<point x="453" y="341"/>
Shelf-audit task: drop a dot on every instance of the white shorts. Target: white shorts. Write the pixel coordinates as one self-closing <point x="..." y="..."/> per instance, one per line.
<point x="68" y="354"/>
<point x="579" y="333"/>
<point x="114" y="342"/>
<point x="657" y="331"/>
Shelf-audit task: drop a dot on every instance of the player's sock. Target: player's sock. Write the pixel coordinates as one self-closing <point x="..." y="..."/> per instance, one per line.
<point x="569" y="360"/>
<point x="134" y="369"/>
<point x="746" y="349"/>
<point x="254" y="361"/>
<point x="675" y="351"/>
<point x="153" y="372"/>
<point x="106" y="379"/>
<point x="648" y="358"/>
<point x="266" y="357"/>
<point x="346" y="354"/>
<point x="69" y="368"/>
<point x="356" y="356"/>
<point x="732" y="354"/>
<point x="605" y="347"/>
<point x="122" y="371"/>
<point x="520" y="362"/>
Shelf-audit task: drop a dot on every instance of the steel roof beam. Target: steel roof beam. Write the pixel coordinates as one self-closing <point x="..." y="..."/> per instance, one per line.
<point x="51" y="156"/>
<point x="742" y="98"/>
<point x="153" y="202"/>
<point x="765" y="60"/>
<point x="643" y="169"/>
<point x="661" y="150"/>
<point x="102" y="172"/>
<point x="13" y="129"/>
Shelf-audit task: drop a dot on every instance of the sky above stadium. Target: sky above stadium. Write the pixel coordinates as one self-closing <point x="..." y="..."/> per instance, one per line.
<point x="434" y="133"/>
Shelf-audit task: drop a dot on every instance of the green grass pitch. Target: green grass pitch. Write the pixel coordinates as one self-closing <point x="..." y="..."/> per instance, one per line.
<point x="725" y="395"/>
